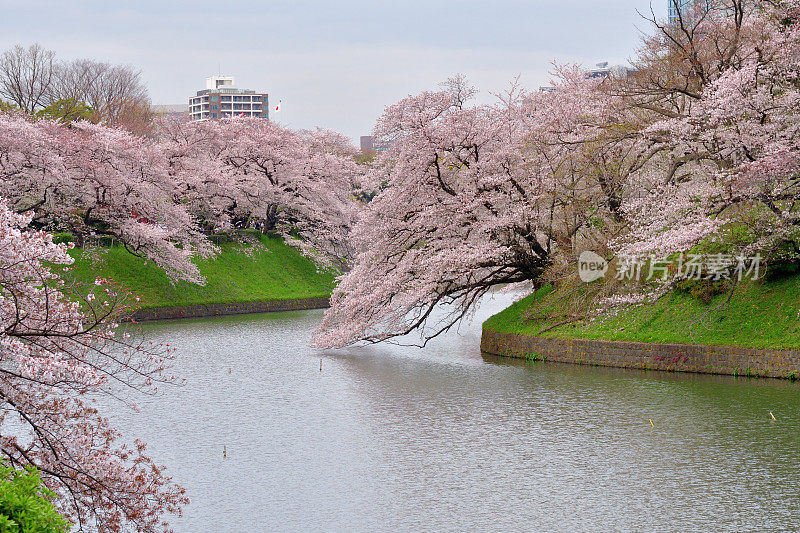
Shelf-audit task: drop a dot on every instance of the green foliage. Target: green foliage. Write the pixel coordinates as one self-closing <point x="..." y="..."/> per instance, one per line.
<point x="25" y="504"/>
<point x="7" y="107"/>
<point x="240" y="273"/>
<point x="730" y="240"/>
<point x="63" y="237"/>
<point x="760" y="314"/>
<point x="784" y="261"/>
<point x="366" y="157"/>
<point x="66" y="111"/>
<point x="536" y="357"/>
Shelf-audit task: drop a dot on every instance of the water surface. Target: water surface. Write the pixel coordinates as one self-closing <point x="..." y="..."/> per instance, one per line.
<point x="389" y="438"/>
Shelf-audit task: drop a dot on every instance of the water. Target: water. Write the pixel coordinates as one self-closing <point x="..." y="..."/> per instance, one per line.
<point x="390" y="438"/>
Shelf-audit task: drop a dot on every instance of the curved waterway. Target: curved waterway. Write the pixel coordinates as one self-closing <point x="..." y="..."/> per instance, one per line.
<point x="389" y="438"/>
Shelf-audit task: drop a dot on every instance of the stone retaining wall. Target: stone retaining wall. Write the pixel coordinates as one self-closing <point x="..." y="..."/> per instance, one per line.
<point x="670" y="357"/>
<point x="207" y="310"/>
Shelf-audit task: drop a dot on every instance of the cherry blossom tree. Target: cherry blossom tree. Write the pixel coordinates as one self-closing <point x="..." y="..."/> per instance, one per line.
<point x="252" y="172"/>
<point x="726" y="143"/>
<point x="697" y="143"/>
<point x="159" y="197"/>
<point x="93" y="180"/>
<point x="59" y="347"/>
<point x="473" y="197"/>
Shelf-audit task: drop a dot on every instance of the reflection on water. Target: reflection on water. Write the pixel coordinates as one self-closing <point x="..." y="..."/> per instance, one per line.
<point x="389" y="438"/>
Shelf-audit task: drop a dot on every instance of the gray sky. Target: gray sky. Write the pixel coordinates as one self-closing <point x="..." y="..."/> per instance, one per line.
<point x="333" y="64"/>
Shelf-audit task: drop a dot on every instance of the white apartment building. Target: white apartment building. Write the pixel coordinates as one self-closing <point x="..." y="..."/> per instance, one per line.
<point x="221" y="99"/>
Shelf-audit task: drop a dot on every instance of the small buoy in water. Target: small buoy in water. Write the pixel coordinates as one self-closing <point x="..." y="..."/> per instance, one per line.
<point x="773" y="416"/>
<point x="224" y="452"/>
<point x="651" y="422"/>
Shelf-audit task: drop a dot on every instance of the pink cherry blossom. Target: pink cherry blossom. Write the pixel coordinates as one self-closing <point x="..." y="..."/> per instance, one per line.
<point x="58" y="351"/>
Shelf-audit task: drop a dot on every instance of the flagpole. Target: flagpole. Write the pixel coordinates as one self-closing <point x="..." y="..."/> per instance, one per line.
<point x="279" y="109"/>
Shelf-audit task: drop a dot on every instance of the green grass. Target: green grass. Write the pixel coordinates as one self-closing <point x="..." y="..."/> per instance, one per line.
<point x="277" y="272"/>
<point x="761" y="314"/>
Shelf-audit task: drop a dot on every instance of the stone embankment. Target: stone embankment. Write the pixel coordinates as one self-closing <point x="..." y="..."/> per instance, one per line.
<point x="728" y="360"/>
<point x="208" y="310"/>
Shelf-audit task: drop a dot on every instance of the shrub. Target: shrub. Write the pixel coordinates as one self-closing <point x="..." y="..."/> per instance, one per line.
<point x="59" y="238"/>
<point x="25" y="504"/>
<point x="703" y="289"/>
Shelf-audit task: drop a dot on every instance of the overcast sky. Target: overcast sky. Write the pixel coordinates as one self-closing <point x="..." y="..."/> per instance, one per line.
<point x="335" y="64"/>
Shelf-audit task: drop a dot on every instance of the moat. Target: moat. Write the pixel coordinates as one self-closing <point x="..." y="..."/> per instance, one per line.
<point x="392" y="438"/>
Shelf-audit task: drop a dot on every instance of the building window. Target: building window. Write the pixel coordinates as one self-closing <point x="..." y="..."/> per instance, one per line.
<point x="214" y="107"/>
<point x="215" y="98"/>
<point x="213" y="115"/>
<point x="264" y="115"/>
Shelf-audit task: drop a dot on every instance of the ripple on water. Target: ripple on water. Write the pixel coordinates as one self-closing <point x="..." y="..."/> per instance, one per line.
<point x="390" y="438"/>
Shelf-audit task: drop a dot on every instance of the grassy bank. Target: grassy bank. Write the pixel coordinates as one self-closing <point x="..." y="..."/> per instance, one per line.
<point x="760" y="314"/>
<point x="276" y="272"/>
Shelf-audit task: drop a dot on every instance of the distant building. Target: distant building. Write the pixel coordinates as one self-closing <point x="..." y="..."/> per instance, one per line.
<point x="368" y="144"/>
<point x="221" y="99"/>
<point x="680" y="7"/>
<point x="602" y="70"/>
